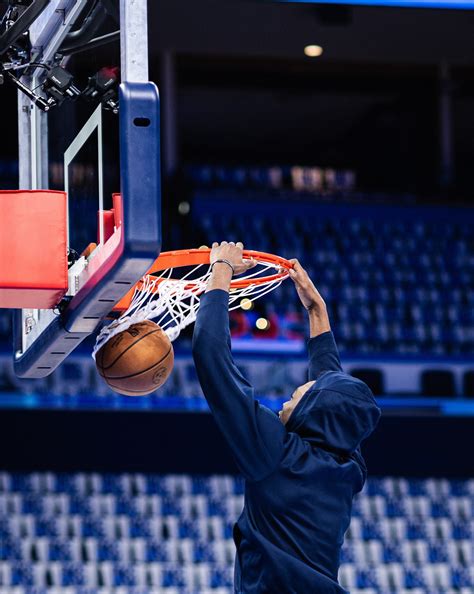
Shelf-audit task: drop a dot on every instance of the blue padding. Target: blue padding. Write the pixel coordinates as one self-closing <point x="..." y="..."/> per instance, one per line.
<point x="141" y="196"/>
<point x="456" y="4"/>
<point x="140" y="168"/>
<point x="47" y="352"/>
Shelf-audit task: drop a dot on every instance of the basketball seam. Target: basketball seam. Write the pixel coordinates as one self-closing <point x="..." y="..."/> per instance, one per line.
<point x="142" y="392"/>
<point x="129" y="347"/>
<point x="120" y="377"/>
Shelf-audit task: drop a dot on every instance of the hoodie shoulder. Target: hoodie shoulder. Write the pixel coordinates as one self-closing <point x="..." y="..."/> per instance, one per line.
<point x="345" y="384"/>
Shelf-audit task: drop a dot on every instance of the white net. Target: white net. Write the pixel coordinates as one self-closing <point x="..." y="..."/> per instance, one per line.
<point x="173" y="303"/>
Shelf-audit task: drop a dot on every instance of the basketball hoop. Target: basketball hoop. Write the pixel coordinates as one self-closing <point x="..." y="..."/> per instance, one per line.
<point x="173" y="302"/>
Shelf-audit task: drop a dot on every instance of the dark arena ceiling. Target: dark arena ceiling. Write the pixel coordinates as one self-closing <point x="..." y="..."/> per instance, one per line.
<point x="277" y="30"/>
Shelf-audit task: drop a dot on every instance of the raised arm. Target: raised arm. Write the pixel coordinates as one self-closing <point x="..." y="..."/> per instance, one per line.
<point x="253" y="432"/>
<point x="323" y="353"/>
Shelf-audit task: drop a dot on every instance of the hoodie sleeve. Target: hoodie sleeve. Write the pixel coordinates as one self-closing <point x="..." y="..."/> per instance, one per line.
<point x="323" y="355"/>
<point x="254" y="433"/>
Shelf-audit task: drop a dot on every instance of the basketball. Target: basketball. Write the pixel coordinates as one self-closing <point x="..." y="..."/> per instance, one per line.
<point x="137" y="361"/>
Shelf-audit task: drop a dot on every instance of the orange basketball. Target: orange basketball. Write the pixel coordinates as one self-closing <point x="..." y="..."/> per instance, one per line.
<point x="137" y="361"/>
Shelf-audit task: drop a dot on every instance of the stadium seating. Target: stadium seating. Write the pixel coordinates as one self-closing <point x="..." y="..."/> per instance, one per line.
<point x="311" y="180"/>
<point x="104" y="534"/>
<point x="468" y="384"/>
<point x="396" y="280"/>
<point x="373" y="378"/>
<point x="438" y="382"/>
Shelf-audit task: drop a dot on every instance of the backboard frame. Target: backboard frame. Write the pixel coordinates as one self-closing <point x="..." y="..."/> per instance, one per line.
<point x="128" y="254"/>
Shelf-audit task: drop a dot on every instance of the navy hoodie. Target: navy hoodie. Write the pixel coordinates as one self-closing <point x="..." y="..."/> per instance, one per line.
<point x="300" y="478"/>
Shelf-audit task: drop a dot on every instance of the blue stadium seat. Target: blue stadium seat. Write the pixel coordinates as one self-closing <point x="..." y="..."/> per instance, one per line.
<point x="406" y="536"/>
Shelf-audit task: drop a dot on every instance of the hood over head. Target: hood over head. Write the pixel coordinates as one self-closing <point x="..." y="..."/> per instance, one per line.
<point x="337" y="413"/>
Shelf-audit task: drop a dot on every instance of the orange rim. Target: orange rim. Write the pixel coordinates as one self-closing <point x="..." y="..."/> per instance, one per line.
<point x="195" y="257"/>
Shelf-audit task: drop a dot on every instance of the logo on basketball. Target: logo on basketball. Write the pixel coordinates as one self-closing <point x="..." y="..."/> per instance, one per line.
<point x="133" y="330"/>
<point x="158" y="376"/>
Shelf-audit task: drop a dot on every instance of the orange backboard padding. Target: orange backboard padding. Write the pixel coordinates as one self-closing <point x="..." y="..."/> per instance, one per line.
<point x="33" y="248"/>
<point x="109" y="224"/>
<point x="112" y="218"/>
<point x="117" y="208"/>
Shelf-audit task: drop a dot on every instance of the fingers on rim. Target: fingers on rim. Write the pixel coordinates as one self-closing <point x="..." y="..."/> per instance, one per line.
<point x="215" y="244"/>
<point x="240" y="245"/>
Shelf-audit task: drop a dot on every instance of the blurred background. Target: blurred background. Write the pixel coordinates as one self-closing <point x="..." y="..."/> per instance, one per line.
<point x="337" y="134"/>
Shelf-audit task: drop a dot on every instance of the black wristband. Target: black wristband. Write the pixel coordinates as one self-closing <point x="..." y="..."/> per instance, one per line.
<point x="223" y="261"/>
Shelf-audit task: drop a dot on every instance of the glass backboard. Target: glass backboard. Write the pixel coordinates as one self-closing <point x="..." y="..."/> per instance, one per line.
<point x="87" y="137"/>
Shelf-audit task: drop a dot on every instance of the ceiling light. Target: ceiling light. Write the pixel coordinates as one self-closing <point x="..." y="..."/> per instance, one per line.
<point x="246" y="304"/>
<point x="313" y="51"/>
<point x="262" y="324"/>
<point x="184" y="208"/>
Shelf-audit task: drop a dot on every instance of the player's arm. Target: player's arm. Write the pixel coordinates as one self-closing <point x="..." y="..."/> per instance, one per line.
<point x="254" y="433"/>
<point x="323" y="353"/>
